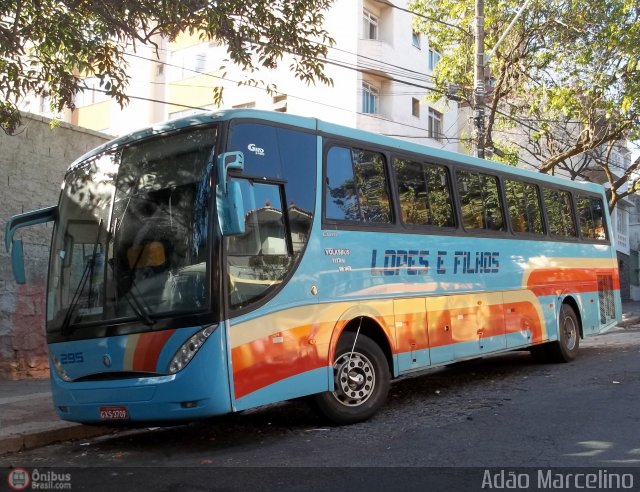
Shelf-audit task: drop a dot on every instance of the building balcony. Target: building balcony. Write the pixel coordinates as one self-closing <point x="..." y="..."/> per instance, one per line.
<point x="371" y="52"/>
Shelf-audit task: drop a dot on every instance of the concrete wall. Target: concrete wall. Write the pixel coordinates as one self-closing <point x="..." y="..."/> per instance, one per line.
<point x="32" y="165"/>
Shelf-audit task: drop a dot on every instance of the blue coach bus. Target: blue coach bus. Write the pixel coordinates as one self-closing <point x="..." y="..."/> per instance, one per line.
<point x="238" y="258"/>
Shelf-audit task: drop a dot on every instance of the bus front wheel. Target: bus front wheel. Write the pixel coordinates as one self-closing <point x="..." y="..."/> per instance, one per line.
<point x="361" y="381"/>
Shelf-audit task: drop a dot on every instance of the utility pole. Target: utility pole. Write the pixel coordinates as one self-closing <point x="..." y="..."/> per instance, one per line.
<point x="478" y="79"/>
<point x="479" y="72"/>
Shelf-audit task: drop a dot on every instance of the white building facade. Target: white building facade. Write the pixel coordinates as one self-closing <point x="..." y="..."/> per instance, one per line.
<point x="381" y="71"/>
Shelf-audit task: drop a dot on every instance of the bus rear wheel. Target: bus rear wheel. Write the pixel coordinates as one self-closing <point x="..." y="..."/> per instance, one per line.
<point x="565" y="349"/>
<point x="361" y="381"/>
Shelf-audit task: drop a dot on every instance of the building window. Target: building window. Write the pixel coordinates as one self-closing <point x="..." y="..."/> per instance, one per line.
<point x="621" y="222"/>
<point x="615" y="160"/>
<point x="434" y="58"/>
<point x="186" y="62"/>
<point x="370" y="25"/>
<point x="415" y="107"/>
<point x="370" y="98"/>
<point x="201" y="62"/>
<point x="93" y="91"/>
<point x="415" y="39"/>
<point x="435" y="124"/>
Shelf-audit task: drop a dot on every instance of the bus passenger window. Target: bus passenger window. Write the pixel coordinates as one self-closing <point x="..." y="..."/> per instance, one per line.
<point x="591" y="218"/>
<point x="424" y="191"/>
<point x="559" y="212"/>
<point x="479" y="201"/>
<point x="523" y="204"/>
<point x="356" y="186"/>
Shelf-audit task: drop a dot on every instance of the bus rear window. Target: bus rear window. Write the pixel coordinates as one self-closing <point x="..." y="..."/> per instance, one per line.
<point x="591" y="218"/>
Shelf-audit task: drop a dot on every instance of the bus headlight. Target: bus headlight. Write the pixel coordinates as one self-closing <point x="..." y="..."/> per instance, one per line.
<point x="62" y="374"/>
<point x="188" y="349"/>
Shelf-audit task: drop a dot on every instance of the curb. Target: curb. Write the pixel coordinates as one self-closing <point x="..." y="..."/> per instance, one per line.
<point x="632" y="320"/>
<point x="22" y="442"/>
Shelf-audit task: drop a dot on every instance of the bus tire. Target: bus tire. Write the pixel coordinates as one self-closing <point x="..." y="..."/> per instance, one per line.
<point x="565" y="349"/>
<point x="361" y="381"/>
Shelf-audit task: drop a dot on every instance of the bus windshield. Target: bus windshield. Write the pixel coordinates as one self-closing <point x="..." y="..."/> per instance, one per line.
<point x="130" y="242"/>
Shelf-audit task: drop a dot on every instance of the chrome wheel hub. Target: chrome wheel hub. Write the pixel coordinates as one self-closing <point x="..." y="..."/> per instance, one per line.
<point x="570" y="332"/>
<point x="354" y="379"/>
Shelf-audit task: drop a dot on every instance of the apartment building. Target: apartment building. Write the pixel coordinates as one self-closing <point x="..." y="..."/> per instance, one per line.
<point x="381" y="71"/>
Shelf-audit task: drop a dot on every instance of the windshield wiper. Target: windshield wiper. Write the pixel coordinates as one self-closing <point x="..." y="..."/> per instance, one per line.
<point x="87" y="273"/>
<point x="137" y="306"/>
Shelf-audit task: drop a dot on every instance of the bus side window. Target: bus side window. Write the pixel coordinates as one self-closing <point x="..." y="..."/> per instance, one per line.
<point x="479" y="201"/>
<point x="523" y="205"/>
<point x="356" y="186"/>
<point x="559" y="212"/>
<point x="425" y="194"/>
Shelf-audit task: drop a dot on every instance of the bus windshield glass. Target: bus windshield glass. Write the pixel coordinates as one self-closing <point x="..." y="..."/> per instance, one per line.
<point x="131" y="239"/>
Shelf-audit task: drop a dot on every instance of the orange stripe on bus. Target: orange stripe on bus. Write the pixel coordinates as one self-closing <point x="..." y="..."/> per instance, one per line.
<point x="467" y="324"/>
<point x="148" y="349"/>
<point x="278" y="356"/>
<point x="551" y="281"/>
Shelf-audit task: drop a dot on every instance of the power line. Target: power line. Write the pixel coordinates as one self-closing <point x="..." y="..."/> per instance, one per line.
<point x="378" y="64"/>
<point x="422" y="16"/>
<point x="330" y="62"/>
<point x="355" y="68"/>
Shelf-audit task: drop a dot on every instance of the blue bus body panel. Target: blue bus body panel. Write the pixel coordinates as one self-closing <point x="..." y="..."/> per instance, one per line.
<point x="204" y="382"/>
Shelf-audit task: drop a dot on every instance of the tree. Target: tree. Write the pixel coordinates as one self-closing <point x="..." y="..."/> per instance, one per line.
<point x="564" y="82"/>
<point x="48" y="46"/>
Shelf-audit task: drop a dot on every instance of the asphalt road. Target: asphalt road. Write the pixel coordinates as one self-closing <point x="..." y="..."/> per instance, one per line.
<point x="505" y="412"/>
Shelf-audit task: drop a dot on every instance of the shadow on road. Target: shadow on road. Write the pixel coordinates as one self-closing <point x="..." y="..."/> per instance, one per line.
<point x="432" y="392"/>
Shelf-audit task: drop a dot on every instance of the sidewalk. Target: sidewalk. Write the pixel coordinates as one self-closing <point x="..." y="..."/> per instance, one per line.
<point x="630" y="313"/>
<point x="28" y="420"/>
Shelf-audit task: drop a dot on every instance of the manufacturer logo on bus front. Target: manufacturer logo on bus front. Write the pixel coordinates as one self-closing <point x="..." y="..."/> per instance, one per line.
<point x="255" y="149"/>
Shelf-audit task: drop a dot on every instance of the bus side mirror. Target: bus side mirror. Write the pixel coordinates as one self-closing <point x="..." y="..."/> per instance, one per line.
<point x="233" y="223"/>
<point x="229" y="195"/>
<point x="25" y="219"/>
<point x="17" y="261"/>
<point x="227" y="161"/>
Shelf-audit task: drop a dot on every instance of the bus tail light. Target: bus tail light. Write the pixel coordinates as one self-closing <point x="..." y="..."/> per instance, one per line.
<point x="188" y="349"/>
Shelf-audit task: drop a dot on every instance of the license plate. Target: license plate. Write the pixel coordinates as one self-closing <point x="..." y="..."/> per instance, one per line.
<point x="114" y="413"/>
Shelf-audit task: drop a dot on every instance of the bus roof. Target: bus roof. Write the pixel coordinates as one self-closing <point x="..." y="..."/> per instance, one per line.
<point x="323" y="127"/>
